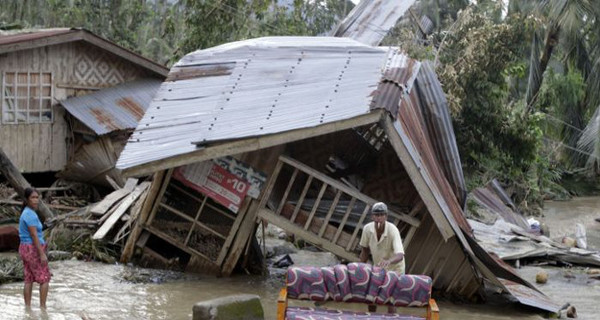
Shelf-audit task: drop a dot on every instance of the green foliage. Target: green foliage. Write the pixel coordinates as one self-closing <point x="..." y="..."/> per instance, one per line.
<point x="213" y="22"/>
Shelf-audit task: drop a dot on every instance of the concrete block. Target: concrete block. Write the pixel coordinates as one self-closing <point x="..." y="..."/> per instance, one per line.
<point x="236" y="307"/>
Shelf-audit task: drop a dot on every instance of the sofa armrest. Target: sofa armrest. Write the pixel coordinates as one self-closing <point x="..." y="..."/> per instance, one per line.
<point x="433" y="312"/>
<point x="282" y="304"/>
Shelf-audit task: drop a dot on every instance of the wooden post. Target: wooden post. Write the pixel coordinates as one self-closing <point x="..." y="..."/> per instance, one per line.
<point x="18" y="182"/>
<point x="136" y="228"/>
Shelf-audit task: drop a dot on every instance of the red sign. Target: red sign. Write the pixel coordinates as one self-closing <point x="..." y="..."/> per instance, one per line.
<point x="215" y="182"/>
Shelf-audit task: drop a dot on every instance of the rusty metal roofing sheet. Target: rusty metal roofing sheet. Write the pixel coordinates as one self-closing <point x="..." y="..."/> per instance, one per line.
<point x="439" y="125"/>
<point x="258" y="87"/>
<point x="491" y="201"/>
<point x="370" y="20"/>
<point x="530" y="297"/>
<point x="12" y="37"/>
<point x="117" y="108"/>
<point x="412" y="121"/>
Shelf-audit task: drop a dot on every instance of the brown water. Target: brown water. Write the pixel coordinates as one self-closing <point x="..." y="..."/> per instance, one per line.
<point x="92" y="290"/>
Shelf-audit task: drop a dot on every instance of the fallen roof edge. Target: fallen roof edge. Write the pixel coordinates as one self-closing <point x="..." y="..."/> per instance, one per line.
<point x="246" y="144"/>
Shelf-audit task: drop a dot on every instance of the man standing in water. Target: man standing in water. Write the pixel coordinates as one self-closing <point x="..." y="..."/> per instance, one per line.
<point x="382" y="240"/>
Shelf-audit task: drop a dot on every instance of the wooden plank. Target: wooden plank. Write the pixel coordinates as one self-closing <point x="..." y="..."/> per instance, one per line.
<point x="250" y="144"/>
<point x="287" y="191"/>
<point x="409" y="236"/>
<point x="42" y="42"/>
<point x="268" y="163"/>
<point x="114" y="217"/>
<point x="270" y="184"/>
<point x="344" y="219"/>
<point x="350" y="191"/>
<point x="457" y="275"/>
<point x="433" y="257"/>
<point x="102" y="207"/>
<point x="135" y="211"/>
<point x="359" y="226"/>
<point x="336" y="199"/>
<point x="285" y="224"/>
<point x="187" y="239"/>
<point x="423" y="243"/>
<point x="315" y="206"/>
<point x="233" y="231"/>
<point x="159" y="197"/>
<point x="301" y="199"/>
<point x="242" y="237"/>
<point x="112" y="182"/>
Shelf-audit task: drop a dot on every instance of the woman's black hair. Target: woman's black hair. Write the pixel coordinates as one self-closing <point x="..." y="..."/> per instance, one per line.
<point x="28" y="192"/>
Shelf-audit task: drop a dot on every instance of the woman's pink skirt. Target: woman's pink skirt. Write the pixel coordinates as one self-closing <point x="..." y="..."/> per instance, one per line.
<point x="34" y="269"/>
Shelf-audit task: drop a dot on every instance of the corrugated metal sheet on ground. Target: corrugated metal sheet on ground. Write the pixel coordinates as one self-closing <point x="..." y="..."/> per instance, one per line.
<point x="489" y="200"/>
<point x="530" y="297"/>
<point x="439" y="125"/>
<point x="370" y="20"/>
<point x="117" y="108"/>
<point x="258" y="87"/>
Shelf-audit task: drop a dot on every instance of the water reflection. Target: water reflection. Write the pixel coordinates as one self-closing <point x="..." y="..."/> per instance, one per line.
<point x="90" y="290"/>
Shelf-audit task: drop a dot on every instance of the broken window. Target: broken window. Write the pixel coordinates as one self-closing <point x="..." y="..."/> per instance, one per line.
<point x="27" y="97"/>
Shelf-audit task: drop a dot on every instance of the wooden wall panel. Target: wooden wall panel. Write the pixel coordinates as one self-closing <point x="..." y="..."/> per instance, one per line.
<point x="43" y="147"/>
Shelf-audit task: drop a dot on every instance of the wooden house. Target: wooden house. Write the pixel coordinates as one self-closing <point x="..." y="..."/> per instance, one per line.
<point x="307" y="133"/>
<point x="40" y="68"/>
<point x="336" y="126"/>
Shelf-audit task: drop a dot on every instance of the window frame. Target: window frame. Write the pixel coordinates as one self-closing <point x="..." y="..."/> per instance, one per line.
<point x="18" y="111"/>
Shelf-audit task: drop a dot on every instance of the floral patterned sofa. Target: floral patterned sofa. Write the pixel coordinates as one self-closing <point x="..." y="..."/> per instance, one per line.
<point x="355" y="282"/>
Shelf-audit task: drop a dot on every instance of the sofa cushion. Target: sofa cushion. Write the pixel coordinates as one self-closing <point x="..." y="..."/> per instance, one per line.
<point x="343" y="281"/>
<point x="405" y="290"/>
<point x="306" y="283"/>
<point x="358" y="282"/>
<point x="302" y="313"/>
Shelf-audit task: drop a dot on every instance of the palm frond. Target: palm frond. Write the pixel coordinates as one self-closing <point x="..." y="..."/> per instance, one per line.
<point x="534" y="81"/>
<point x="590" y="142"/>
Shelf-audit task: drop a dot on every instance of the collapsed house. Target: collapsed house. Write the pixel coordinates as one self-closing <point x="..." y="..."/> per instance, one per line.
<point x="306" y="133"/>
<point x="39" y="68"/>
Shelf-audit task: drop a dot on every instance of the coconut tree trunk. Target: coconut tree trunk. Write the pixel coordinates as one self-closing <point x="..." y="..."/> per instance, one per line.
<point x="539" y="67"/>
<point x="18" y="182"/>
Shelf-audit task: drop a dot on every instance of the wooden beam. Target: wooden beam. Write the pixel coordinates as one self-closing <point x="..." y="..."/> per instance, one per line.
<point x="251" y="144"/>
<point x="338" y="194"/>
<point x="241" y="239"/>
<point x="344" y="219"/>
<point x="102" y="207"/>
<point x="18" y="182"/>
<point x="68" y="36"/>
<point x="285" y="224"/>
<point x="114" y="217"/>
<point x="350" y="191"/>
<point x="414" y="172"/>
<point x="315" y="206"/>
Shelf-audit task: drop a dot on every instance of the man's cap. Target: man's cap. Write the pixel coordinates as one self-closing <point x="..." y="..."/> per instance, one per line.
<point x="379" y="207"/>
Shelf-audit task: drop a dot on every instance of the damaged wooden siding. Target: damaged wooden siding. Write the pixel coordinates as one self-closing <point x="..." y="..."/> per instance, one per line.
<point x="78" y="61"/>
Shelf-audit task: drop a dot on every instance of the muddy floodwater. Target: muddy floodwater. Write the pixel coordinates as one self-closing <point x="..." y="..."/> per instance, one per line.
<point x="90" y="290"/>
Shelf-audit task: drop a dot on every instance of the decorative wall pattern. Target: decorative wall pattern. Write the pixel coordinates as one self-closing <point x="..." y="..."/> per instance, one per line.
<point x="99" y="68"/>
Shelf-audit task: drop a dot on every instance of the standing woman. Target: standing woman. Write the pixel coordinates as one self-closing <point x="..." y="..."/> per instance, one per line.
<point x="33" y="249"/>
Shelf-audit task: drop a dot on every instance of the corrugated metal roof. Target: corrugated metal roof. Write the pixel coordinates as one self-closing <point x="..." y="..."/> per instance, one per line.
<point x="530" y="297"/>
<point x="258" y="87"/>
<point x="370" y="20"/>
<point x="488" y="199"/>
<point x="439" y="124"/>
<point x="18" y="36"/>
<point x="117" y="108"/>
